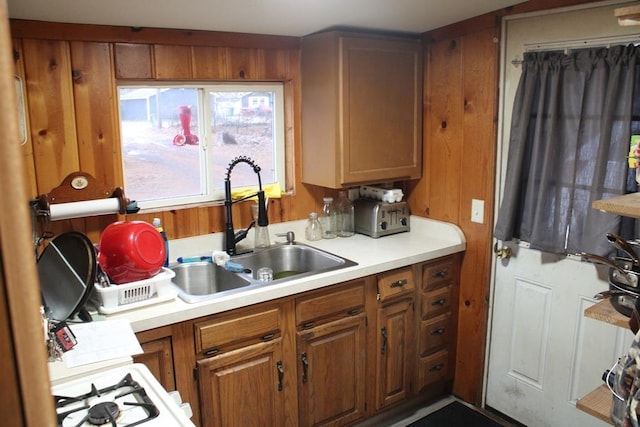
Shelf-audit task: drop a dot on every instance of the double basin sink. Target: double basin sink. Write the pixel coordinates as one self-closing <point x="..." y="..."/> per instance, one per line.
<point x="201" y="281"/>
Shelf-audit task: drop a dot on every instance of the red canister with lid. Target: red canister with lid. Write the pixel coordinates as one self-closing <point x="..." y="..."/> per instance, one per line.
<point x="130" y="251"/>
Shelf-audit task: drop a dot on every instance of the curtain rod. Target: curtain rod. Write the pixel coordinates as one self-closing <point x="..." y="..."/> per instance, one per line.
<point x="568" y="45"/>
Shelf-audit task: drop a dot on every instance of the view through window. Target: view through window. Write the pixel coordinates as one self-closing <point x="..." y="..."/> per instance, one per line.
<point x="178" y="140"/>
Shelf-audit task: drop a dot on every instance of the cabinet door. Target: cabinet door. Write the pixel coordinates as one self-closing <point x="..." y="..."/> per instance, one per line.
<point x="395" y="327"/>
<point x="382" y="109"/>
<point x="158" y="357"/>
<point x="157" y="346"/>
<point x="244" y="387"/>
<point x="331" y="372"/>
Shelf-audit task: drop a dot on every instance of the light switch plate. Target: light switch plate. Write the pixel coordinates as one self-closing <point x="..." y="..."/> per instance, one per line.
<point x="477" y="211"/>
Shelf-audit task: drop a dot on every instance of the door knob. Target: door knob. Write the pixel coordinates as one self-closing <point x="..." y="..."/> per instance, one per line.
<point x="502" y="253"/>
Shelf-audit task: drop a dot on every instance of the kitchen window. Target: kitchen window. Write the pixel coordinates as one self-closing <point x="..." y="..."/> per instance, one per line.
<point x="177" y="140"/>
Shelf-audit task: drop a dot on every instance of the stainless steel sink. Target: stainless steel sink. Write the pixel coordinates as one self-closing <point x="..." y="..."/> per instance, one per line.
<point x="291" y="261"/>
<point x="197" y="281"/>
<point x="200" y="281"/>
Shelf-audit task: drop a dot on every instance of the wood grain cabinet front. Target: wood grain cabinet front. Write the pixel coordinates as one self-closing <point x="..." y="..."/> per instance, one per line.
<point x="437" y="333"/>
<point x="331" y="355"/>
<point x="245" y="367"/>
<point x="361" y="108"/>
<point x="394" y="342"/>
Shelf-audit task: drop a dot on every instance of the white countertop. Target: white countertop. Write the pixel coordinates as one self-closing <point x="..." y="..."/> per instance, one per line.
<point x="428" y="239"/>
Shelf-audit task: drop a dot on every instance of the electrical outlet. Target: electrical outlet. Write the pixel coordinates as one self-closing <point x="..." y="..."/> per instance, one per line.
<point x="477" y="211"/>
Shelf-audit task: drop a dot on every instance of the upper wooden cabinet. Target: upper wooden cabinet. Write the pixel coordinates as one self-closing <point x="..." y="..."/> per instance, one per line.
<point x="361" y="109"/>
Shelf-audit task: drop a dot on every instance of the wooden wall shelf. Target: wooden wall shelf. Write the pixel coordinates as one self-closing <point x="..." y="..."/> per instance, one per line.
<point x="625" y="205"/>
<point x="597" y="403"/>
<point x="605" y="312"/>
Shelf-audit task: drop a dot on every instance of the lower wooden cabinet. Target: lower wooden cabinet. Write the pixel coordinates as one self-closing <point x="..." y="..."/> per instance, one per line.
<point x="395" y="353"/>
<point x="158" y="355"/>
<point x="331" y="357"/>
<point x="244" y="387"/>
<point x="332" y="374"/>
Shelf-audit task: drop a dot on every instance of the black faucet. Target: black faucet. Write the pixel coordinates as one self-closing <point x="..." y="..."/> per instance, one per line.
<point x="231" y="237"/>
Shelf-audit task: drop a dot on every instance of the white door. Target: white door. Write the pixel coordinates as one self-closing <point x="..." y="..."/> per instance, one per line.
<point x="544" y="354"/>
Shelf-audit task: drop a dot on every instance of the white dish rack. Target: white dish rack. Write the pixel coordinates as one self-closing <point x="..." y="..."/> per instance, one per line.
<point x="116" y="298"/>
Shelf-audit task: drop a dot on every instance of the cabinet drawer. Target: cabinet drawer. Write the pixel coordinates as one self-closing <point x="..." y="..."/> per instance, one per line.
<point x="436" y="302"/>
<point x="395" y="282"/>
<point x="435" y="333"/>
<point x="433" y="368"/>
<point x="215" y="334"/>
<point x="330" y="304"/>
<point x="439" y="273"/>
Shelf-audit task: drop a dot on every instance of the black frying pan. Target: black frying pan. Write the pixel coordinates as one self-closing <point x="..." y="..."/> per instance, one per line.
<point x="67" y="271"/>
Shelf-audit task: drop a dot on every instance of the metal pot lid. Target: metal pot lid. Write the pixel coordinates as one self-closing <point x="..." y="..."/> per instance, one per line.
<point x="67" y="271"/>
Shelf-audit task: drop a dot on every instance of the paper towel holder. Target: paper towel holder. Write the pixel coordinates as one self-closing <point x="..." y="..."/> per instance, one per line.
<point x="80" y="187"/>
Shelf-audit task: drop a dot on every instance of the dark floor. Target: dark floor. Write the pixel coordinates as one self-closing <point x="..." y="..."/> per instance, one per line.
<point x="448" y="418"/>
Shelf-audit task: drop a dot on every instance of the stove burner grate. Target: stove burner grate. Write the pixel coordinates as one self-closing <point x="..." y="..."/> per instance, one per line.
<point x="107" y="411"/>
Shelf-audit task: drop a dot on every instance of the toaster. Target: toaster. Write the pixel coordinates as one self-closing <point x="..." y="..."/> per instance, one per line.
<point x="376" y="218"/>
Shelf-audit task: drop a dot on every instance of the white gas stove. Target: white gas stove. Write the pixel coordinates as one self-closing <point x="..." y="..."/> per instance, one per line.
<point x="124" y="396"/>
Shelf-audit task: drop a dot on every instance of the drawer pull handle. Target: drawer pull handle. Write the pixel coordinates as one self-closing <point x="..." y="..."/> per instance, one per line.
<point x="437" y="367"/>
<point x="305" y="366"/>
<point x="307" y="325"/>
<point x="440" y="274"/>
<point x="268" y="337"/>
<point x="441" y="301"/>
<point x="439" y="331"/>
<point x="399" y="283"/>
<point x="211" y="352"/>
<point x="353" y="311"/>
<point x="383" y="332"/>
<point x="280" y="370"/>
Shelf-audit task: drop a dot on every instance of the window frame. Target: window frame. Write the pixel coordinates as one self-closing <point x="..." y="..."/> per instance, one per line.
<point x="210" y="194"/>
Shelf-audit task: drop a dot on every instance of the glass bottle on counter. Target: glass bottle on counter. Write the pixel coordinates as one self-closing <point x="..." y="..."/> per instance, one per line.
<point x="328" y="220"/>
<point x="345" y="223"/>
<point x="313" y="230"/>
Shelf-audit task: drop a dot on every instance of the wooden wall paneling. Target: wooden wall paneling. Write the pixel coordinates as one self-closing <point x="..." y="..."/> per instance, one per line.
<point x="134" y="35"/>
<point x="246" y="63"/>
<point x="133" y="61"/>
<point x="182" y="223"/>
<point x="51" y="111"/>
<point x="209" y="62"/>
<point x="96" y="112"/>
<point x="27" y="147"/>
<point x="172" y="62"/>
<point x="445" y="114"/>
<point x="277" y="64"/>
<point x="210" y="219"/>
<point x="477" y="157"/>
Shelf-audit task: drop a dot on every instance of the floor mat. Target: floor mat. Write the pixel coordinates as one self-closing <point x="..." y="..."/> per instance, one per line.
<point x="455" y="414"/>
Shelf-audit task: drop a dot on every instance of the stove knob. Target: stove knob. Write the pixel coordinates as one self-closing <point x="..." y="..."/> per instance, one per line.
<point x="383" y="225"/>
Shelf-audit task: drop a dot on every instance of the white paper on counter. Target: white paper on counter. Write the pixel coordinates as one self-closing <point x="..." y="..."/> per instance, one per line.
<point x="102" y="340"/>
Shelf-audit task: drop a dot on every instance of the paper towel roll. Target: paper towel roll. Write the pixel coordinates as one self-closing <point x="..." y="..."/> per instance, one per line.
<point x="86" y="208"/>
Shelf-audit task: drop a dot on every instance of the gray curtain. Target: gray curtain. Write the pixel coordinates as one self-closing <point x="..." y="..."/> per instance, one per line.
<point x="568" y="146"/>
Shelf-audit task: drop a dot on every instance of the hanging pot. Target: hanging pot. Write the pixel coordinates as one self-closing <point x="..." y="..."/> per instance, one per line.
<point x="624" y="246"/>
<point x="67" y="271"/>
<point x="621" y="270"/>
